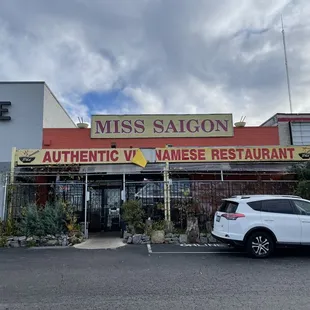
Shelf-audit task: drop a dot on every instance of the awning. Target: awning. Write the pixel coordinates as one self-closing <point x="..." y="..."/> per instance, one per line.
<point x="186" y="167"/>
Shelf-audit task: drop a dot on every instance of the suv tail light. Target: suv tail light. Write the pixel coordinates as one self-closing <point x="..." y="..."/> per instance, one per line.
<point x="232" y="216"/>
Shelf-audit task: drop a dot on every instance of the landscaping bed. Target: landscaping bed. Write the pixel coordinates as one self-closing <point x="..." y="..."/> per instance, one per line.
<point x="169" y="238"/>
<point x="35" y="241"/>
<point x="54" y="224"/>
<point x="142" y="231"/>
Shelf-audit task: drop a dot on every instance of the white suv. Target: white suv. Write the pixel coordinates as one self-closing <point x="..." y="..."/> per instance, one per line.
<point x="261" y="222"/>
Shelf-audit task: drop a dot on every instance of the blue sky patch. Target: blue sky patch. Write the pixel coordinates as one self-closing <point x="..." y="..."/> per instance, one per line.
<point x="102" y="100"/>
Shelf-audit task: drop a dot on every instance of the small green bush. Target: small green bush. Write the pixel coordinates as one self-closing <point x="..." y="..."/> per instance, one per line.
<point x="303" y="189"/>
<point x="52" y="218"/>
<point x="3" y="241"/>
<point x="159" y="225"/>
<point x="48" y="220"/>
<point x="133" y="215"/>
<point x="31" y="222"/>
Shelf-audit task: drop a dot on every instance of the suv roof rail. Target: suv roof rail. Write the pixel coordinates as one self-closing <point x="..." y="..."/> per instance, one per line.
<point x="250" y="196"/>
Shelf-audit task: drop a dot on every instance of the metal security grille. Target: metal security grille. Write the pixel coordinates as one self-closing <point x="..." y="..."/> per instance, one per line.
<point x="186" y="197"/>
<point x="20" y="195"/>
<point x="198" y="198"/>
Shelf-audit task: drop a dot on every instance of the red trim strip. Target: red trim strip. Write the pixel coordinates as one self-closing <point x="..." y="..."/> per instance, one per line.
<point x="291" y="119"/>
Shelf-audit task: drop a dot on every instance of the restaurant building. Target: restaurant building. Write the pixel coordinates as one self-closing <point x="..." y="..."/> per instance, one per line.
<point x="156" y="158"/>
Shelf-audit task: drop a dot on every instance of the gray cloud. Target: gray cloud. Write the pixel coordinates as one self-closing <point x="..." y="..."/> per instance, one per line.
<point x="174" y="56"/>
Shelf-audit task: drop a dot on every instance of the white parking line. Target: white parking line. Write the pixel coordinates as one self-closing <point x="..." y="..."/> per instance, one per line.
<point x="197" y="252"/>
<point x="203" y="245"/>
<point x="149" y="248"/>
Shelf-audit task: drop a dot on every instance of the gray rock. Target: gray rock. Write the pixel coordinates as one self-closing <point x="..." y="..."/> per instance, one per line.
<point x="10" y="238"/>
<point x="15" y="238"/>
<point x="193" y="236"/>
<point x="73" y="240"/>
<point x="23" y="238"/>
<point x="204" y="239"/>
<point x="175" y="236"/>
<point x="137" y="239"/>
<point x="127" y="235"/>
<point x="175" y="239"/>
<point x="158" y="236"/>
<point x="212" y="239"/>
<point x="183" y="238"/>
<point x="203" y="235"/>
<point x="29" y="239"/>
<point x="42" y="241"/>
<point x="145" y="238"/>
<point x="129" y="240"/>
<point x="51" y="242"/>
<point x="169" y="235"/>
<point x="14" y="244"/>
<point x="50" y="237"/>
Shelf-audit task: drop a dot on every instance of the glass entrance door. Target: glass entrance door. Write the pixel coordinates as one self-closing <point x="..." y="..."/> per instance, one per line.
<point x="110" y="219"/>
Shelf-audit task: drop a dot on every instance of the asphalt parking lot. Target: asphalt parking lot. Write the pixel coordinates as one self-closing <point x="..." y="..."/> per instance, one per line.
<point x="170" y="276"/>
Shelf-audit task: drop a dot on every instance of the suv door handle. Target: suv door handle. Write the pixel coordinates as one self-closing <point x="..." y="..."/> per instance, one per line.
<point x="270" y="221"/>
<point x="305" y="221"/>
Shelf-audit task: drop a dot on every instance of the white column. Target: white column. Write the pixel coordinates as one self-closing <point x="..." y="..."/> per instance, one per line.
<point x="124" y="187"/>
<point x="85" y="206"/>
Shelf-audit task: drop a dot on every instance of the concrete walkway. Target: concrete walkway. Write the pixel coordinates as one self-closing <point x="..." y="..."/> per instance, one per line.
<point x="101" y="241"/>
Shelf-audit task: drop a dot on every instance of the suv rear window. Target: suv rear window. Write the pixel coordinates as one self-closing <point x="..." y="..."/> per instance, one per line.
<point x="256" y="205"/>
<point x="228" y="207"/>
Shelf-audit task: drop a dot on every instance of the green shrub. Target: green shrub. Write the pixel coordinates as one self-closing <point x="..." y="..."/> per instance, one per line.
<point x="159" y="225"/>
<point x="52" y="218"/>
<point x="2" y="227"/>
<point x="133" y="215"/>
<point x="49" y="220"/>
<point x="3" y="241"/>
<point x="30" y="222"/>
<point x="303" y="189"/>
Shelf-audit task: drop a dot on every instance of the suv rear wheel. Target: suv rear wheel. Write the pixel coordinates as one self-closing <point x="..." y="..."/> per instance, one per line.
<point x="260" y="244"/>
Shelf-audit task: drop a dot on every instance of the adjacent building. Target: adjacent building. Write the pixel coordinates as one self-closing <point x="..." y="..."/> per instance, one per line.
<point x="293" y="129"/>
<point x="26" y="108"/>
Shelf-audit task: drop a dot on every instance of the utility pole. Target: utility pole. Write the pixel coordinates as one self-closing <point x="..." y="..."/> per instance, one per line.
<point x="286" y="67"/>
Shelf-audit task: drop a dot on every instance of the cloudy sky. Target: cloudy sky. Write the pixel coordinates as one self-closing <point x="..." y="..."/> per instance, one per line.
<point x="161" y="56"/>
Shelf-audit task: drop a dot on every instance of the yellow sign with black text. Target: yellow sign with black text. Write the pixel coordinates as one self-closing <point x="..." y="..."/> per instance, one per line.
<point x="161" y="126"/>
<point x="136" y="156"/>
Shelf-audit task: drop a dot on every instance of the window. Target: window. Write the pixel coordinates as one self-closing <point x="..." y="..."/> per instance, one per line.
<point x="277" y="206"/>
<point x="229" y="207"/>
<point x="255" y="205"/>
<point x="303" y="207"/>
<point x="300" y="133"/>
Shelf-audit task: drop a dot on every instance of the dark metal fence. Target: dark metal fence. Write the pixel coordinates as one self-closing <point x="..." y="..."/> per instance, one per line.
<point x="20" y="195"/>
<point x="198" y="198"/>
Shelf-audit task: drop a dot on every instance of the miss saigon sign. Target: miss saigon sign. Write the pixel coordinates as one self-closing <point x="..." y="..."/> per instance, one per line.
<point x="161" y="126"/>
